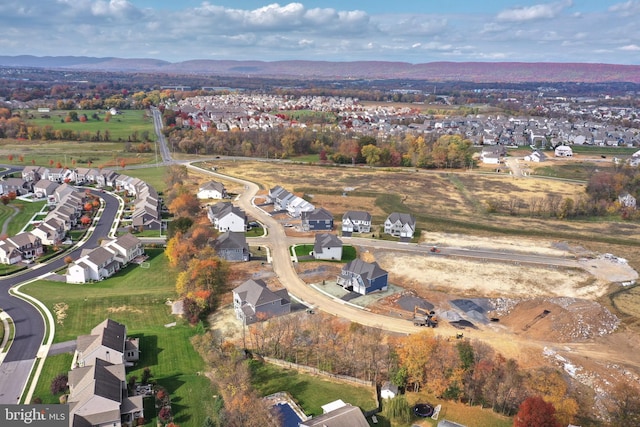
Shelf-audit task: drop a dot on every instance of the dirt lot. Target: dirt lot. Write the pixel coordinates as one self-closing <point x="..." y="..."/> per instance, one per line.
<point x="536" y="315"/>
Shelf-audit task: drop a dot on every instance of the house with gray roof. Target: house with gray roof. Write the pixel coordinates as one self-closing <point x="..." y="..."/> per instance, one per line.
<point x="232" y="246"/>
<point x="98" y="393"/>
<point x="400" y="225"/>
<point x="253" y="301"/>
<point x="212" y="190"/>
<point x="15" y="185"/>
<point x="344" y="416"/>
<point x="327" y="247"/>
<point x="126" y="248"/>
<point x="226" y="217"/>
<point x="44" y="188"/>
<point x="98" y="396"/>
<point x="29" y="245"/>
<point x="97" y="264"/>
<point x="51" y="231"/>
<point x="319" y="219"/>
<point x="363" y="277"/>
<point x="283" y="200"/>
<point x="107" y="341"/>
<point x="356" y="222"/>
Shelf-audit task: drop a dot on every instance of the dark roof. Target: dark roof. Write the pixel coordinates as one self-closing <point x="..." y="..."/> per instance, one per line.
<point x="357" y="216"/>
<point x="230" y="240"/>
<point x="256" y="293"/>
<point x="346" y="416"/>
<point x="403" y="218"/>
<point x="326" y="240"/>
<point x="113" y="334"/>
<point x="368" y="270"/>
<point x="318" y="214"/>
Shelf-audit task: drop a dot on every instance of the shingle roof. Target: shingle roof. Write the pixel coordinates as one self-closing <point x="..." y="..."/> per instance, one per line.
<point x="368" y="270"/>
<point x="318" y="214"/>
<point x="357" y="216"/>
<point x="326" y="240"/>
<point x="347" y="416"/>
<point x="403" y="218"/>
<point x="256" y="293"/>
<point x="230" y="240"/>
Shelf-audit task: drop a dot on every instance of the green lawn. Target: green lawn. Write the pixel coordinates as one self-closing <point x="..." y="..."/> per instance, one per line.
<point x="26" y="212"/>
<point x="348" y="252"/>
<point x="136" y="297"/>
<point x="121" y="126"/>
<point x="310" y="392"/>
<point x="154" y="176"/>
<point x="53" y="365"/>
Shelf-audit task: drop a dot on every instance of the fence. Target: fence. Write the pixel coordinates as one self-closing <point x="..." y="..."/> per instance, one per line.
<point x="316" y="371"/>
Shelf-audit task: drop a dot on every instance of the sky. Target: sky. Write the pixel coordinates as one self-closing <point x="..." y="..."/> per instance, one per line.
<point x="414" y="31"/>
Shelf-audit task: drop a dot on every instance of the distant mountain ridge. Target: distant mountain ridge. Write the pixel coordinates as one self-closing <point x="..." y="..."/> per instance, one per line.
<point x="479" y="72"/>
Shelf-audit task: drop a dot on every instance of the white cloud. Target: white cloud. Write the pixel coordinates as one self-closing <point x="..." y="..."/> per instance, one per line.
<point x="627" y="8"/>
<point x="556" y="30"/>
<point x="535" y="12"/>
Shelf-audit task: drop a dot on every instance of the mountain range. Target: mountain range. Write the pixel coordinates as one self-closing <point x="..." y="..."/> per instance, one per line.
<point x="478" y="72"/>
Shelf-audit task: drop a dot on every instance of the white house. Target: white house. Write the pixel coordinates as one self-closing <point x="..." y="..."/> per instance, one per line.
<point x="563" y="151"/>
<point x="400" y="225"/>
<point x="51" y="231"/>
<point x="126" y="248"/>
<point x="212" y="190"/>
<point x="536" y="156"/>
<point x="356" y="222"/>
<point x="226" y="217"/>
<point x="327" y="246"/>
<point x="98" y="264"/>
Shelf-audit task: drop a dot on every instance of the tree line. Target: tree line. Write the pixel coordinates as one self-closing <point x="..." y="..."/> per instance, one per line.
<point x="455" y="369"/>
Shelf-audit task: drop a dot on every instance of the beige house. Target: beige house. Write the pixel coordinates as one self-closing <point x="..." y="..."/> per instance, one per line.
<point x="98" y="393"/>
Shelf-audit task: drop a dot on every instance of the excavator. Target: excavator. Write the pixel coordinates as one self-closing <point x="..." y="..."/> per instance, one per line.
<point x="424" y="317"/>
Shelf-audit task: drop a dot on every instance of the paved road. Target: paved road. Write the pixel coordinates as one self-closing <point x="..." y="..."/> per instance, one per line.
<point x="279" y="244"/>
<point x="29" y="325"/>
<point x="161" y="142"/>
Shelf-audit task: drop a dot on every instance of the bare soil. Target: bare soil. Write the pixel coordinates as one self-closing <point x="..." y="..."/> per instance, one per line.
<point x="563" y="317"/>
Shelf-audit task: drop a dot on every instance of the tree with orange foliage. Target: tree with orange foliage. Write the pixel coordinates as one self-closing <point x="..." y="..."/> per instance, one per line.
<point x="85" y="220"/>
<point x="179" y="251"/>
<point x="10" y="157"/>
<point x="414" y="353"/>
<point x="185" y="204"/>
<point x="535" y="412"/>
<point x="88" y="206"/>
<point x="123" y="163"/>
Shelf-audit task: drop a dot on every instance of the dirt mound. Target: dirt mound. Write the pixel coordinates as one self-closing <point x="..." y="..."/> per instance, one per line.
<point x="555" y="319"/>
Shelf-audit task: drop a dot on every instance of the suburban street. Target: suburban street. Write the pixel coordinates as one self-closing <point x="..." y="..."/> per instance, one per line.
<point x="28" y="322"/>
<point x="278" y="243"/>
<point x="28" y="344"/>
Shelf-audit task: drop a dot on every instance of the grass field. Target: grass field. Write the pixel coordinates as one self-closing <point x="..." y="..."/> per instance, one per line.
<point x="135" y="297"/>
<point x="70" y="154"/>
<point x="120" y="126"/>
<point x="154" y="176"/>
<point x="310" y="392"/>
<point x="26" y="210"/>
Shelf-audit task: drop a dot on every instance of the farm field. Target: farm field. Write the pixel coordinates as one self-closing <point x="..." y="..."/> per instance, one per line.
<point x="120" y="126"/>
<point x="70" y="154"/>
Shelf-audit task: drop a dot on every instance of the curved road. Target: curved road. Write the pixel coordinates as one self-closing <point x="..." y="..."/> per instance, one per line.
<point x="279" y="244"/>
<point x="29" y="325"/>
